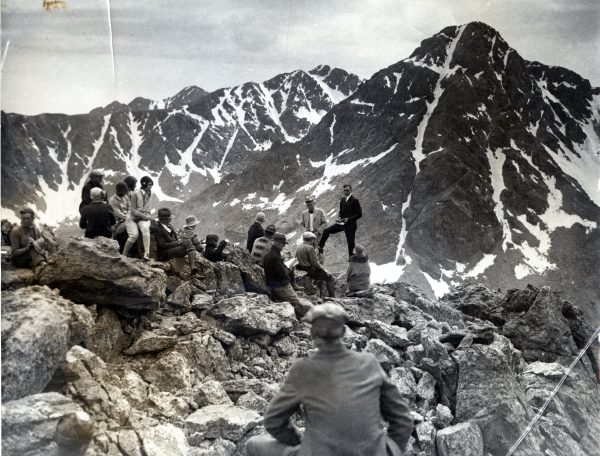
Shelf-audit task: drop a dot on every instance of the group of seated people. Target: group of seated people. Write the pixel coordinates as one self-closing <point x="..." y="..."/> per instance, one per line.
<point x="127" y="214"/>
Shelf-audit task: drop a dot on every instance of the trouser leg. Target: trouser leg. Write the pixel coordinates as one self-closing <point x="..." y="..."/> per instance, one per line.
<point x="320" y="274"/>
<point x="350" y="236"/>
<point x="330" y="230"/>
<point x="288" y="294"/>
<point x="132" y="235"/>
<point x="265" y="445"/>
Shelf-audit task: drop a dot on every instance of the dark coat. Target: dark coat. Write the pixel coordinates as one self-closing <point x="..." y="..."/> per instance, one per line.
<point x="215" y="253"/>
<point x="164" y="240"/>
<point x="276" y="274"/>
<point x="345" y="395"/>
<point x="254" y="232"/>
<point x="358" y="274"/>
<point x="97" y="219"/>
<point x="86" y="199"/>
<point x="350" y="210"/>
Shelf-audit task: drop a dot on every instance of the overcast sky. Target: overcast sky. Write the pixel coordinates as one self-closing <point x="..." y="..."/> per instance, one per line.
<point x="60" y="61"/>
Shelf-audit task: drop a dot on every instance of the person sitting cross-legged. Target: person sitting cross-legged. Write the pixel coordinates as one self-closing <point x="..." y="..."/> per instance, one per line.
<point x="308" y="261"/>
<point x="345" y="396"/>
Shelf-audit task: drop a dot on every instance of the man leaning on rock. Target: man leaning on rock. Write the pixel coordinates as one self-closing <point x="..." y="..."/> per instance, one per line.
<point x="345" y="395"/>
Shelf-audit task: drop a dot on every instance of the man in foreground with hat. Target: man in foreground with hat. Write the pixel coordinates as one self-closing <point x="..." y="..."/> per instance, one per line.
<point x="168" y="243"/>
<point x="345" y="396"/>
<point x="97" y="218"/>
<point x="255" y="231"/>
<point x="95" y="181"/>
<point x="308" y="261"/>
<point x="277" y="274"/>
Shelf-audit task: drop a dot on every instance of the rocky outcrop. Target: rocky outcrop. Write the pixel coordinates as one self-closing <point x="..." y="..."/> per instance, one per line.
<point x="39" y="326"/>
<point x="92" y="271"/>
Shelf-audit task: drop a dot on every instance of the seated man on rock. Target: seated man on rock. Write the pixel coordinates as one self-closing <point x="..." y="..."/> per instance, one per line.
<point x="345" y="395"/>
<point x="214" y="249"/>
<point x="30" y="246"/>
<point x="97" y="218"/>
<point x="308" y="261"/>
<point x="277" y="274"/>
<point x="168" y="243"/>
<point x="358" y="275"/>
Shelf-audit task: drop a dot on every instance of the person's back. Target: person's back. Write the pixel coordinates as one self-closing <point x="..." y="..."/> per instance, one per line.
<point x="343" y="393"/>
<point x="307" y="257"/>
<point x="97" y="219"/>
<point x="358" y="275"/>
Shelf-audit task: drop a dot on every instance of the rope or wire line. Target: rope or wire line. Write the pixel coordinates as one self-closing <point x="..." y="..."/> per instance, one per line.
<point x="562" y="380"/>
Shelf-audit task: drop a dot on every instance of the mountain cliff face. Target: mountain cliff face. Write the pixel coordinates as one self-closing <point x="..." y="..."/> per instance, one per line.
<point x="185" y="142"/>
<point x="469" y="161"/>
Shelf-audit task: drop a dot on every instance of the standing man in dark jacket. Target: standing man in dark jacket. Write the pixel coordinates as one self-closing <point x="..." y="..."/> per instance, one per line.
<point x="255" y="231"/>
<point x="97" y="218"/>
<point x="94" y="182"/>
<point x="350" y="212"/>
<point x="277" y="275"/>
<point x="345" y="395"/>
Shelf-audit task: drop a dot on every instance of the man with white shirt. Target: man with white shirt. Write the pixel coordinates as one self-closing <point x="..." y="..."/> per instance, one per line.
<point x="350" y="212"/>
<point x="313" y="218"/>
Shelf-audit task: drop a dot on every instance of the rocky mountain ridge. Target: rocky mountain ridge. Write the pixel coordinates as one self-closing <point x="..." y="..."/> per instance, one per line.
<point x="185" y="366"/>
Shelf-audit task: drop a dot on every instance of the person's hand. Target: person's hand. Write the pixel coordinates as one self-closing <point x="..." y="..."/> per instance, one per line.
<point x="29" y="242"/>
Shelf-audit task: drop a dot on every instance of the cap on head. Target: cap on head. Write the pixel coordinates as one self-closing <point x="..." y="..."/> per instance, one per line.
<point x="280" y="237"/>
<point x="329" y="311"/>
<point x="96" y="173"/>
<point x="96" y="193"/>
<point x="164" y="212"/>
<point x="212" y="238"/>
<point x="271" y="229"/>
<point x="309" y="199"/>
<point x="359" y="249"/>
<point x="309" y="236"/>
<point x="260" y="217"/>
<point x="191" y="221"/>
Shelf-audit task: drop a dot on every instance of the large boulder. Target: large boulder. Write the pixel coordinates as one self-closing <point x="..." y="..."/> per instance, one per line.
<point x="13" y="278"/>
<point x="108" y="339"/>
<point x="38" y="328"/>
<point x="253" y="314"/>
<point x="29" y="425"/>
<point x="92" y="271"/>
<point x="170" y="372"/>
<point x="464" y="439"/>
<point x="229" y="278"/>
<point x="224" y="421"/>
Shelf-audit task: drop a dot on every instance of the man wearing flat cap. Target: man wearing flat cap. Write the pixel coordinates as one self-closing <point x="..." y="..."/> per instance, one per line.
<point x="345" y="395"/>
<point x="313" y="218"/>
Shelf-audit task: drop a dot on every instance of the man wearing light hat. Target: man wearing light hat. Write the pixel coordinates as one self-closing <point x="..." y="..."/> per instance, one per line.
<point x="95" y="181"/>
<point x="97" y="218"/>
<point x="345" y="396"/>
<point x="277" y="275"/>
<point x="308" y="261"/>
<point x="313" y="218"/>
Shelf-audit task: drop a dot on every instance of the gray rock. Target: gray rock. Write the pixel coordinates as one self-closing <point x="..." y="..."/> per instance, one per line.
<point x="463" y="438"/>
<point x="108" y="339"/>
<point x="170" y="372"/>
<point x="405" y="382"/>
<point x="252" y="401"/>
<point x="211" y="392"/>
<point x="217" y="447"/>
<point x="183" y="295"/>
<point x="13" y="278"/>
<point x="426" y="388"/>
<point x="149" y="342"/>
<point x="164" y="404"/>
<point x="385" y="354"/>
<point x="426" y="436"/>
<point x="442" y="416"/>
<point x="253" y="314"/>
<point x="201" y="301"/>
<point x="381" y="307"/>
<point x="394" y="336"/>
<point x="164" y="439"/>
<point x="238" y="387"/>
<point x="92" y="271"/>
<point x="29" y="425"/>
<point x="229" y="278"/>
<point x="285" y="346"/>
<point x="225" y="421"/>
<point x="38" y="328"/>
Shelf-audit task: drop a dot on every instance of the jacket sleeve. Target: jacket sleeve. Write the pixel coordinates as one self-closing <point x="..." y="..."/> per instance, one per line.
<point x="282" y="407"/>
<point x="349" y="272"/>
<point x="116" y="209"/>
<point x="15" y="240"/>
<point x="111" y="216"/>
<point x="83" y="219"/>
<point x="85" y="195"/>
<point x="394" y="410"/>
<point x="323" y="223"/>
<point x="314" y="260"/>
<point x="357" y="212"/>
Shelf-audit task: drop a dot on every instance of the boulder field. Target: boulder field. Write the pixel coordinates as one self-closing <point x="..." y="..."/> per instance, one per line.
<point x="151" y="361"/>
